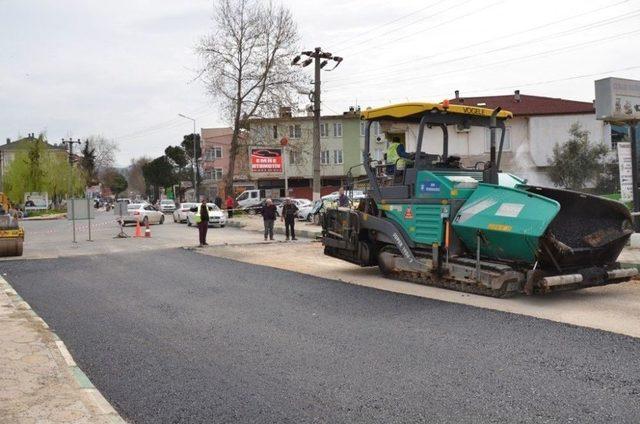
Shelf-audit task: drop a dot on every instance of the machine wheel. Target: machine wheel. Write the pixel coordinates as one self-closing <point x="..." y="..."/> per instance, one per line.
<point x="11" y="247"/>
<point x="384" y="270"/>
<point x="162" y="220"/>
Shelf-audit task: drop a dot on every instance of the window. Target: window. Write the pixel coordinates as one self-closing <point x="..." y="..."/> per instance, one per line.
<point x="324" y="130"/>
<point x="295" y="131"/>
<point x="507" y="139"/>
<point x="213" y="153"/>
<point x="337" y="129"/>
<point x="324" y="157"/>
<point x="275" y="131"/>
<point x="295" y="158"/>
<point x="216" y="174"/>
<point x="337" y="157"/>
<point x="254" y="194"/>
<point x="375" y="128"/>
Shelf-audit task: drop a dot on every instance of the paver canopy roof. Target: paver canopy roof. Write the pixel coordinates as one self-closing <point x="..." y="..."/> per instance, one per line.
<point x="413" y="111"/>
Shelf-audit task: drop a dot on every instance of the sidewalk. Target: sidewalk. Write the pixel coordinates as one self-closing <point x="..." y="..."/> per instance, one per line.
<point x="254" y="223"/>
<point x="39" y="381"/>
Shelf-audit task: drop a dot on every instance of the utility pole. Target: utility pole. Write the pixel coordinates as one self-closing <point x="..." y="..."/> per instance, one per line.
<point x="195" y="159"/>
<point x="70" y="143"/>
<point x="320" y="60"/>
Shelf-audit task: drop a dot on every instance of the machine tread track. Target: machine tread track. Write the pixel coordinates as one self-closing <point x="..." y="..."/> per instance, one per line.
<point x="429" y="279"/>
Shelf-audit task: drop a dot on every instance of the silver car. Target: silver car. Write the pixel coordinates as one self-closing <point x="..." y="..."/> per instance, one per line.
<point x="167" y="206"/>
<point x="180" y="214"/>
<point x="217" y="218"/>
<point x="143" y="213"/>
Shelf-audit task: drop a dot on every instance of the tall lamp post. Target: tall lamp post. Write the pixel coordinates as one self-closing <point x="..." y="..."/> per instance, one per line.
<point x="195" y="182"/>
<point x="70" y="143"/>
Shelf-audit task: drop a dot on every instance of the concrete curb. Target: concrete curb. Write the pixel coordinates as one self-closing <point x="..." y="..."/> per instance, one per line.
<point x="93" y="395"/>
<point x="45" y="218"/>
<point x="277" y="230"/>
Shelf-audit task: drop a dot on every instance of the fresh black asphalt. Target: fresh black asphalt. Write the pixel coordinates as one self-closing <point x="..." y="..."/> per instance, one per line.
<point x="174" y="336"/>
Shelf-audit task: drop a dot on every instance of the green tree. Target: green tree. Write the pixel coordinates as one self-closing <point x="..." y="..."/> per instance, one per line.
<point x="576" y="162"/>
<point x="88" y="163"/>
<point x="114" y="180"/>
<point x="159" y="173"/>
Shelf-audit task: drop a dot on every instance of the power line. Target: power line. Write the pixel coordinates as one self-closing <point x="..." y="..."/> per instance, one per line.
<point x="500" y="62"/>
<point x="466" y="47"/>
<point x="341" y="42"/>
<point x="515" y="86"/>
<point x="419" y="20"/>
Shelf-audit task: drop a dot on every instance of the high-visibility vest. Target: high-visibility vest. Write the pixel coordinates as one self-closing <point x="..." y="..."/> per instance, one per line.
<point x="392" y="156"/>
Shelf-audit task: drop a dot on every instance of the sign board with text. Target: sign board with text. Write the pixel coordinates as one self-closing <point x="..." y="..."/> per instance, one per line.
<point x="624" y="163"/>
<point x="266" y="160"/>
<point x="618" y="99"/>
<point x="36" y="201"/>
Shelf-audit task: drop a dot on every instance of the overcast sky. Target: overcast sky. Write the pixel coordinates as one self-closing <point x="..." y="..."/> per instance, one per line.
<point x="124" y="69"/>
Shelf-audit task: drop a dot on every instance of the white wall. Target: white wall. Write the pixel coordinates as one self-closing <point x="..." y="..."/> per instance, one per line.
<point x="532" y="141"/>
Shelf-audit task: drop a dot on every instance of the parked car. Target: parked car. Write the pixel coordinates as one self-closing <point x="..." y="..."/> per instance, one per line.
<point x="257" y="209"/>
<point x="167" y="206"/>
<point x="300" y="203"/>
<point x="306" y="212"/>
<point x="217" y="217"/>
<point x="180" y="214"/>
<point x="143" y="213"/>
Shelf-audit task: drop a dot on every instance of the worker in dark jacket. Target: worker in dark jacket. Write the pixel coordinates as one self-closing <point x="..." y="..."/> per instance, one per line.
<point x="218" y="202"/>
<point x="343" y="200"/>
<point x="289" y="210"/>
<point x="202" y="219"/>
<point x="269" y="213"/>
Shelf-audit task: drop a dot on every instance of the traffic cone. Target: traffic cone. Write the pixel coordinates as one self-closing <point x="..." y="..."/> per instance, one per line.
<point x="147" y="231"/>
<point x="138" y="229"/>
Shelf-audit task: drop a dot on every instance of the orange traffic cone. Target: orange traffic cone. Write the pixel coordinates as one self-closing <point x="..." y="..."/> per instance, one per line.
<point x="147" y="231"/>
<point x="138" y="229"/>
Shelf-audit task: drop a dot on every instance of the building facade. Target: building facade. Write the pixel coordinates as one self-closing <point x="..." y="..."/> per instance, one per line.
<point x="341" y="148"/>
<point x="538" y="124"/>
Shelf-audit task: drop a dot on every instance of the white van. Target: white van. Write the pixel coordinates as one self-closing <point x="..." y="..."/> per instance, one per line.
<point x="248" y="198"/>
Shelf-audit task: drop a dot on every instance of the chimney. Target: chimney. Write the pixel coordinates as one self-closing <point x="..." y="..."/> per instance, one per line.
<point x="285" y="112"/>
<point x="516" y="96"/>
<point x="457" y="95"/>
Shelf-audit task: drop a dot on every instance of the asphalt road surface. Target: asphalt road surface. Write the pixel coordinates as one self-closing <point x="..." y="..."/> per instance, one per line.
<point x="173" y="336"/>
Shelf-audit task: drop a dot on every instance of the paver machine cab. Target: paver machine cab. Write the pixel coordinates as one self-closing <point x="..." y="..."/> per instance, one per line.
<point x="437" y="223"/>
<point x="11" y="234"/>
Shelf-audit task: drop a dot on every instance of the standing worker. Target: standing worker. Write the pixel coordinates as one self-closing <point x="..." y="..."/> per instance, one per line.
<point x="396" y="156"/>
<point x="202" y="218"/>
<point x="289" y="210"/>
<point x="230" y="204"/>
<point x="269" y="213"/>
<point x="218" y="202"/>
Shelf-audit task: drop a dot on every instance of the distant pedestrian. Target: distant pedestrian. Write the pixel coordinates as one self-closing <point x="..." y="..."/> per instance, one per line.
<point x="202" y="218"/>
<point x="343" y="200"/>
<point x="218" y="202"/>
<point x="230" y="205"/>
<point x="269" y="213"/>
<point x="289" y="210"/>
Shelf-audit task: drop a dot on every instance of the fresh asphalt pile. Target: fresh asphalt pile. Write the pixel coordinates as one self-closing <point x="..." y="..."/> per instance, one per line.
<point x="174" y="336"/>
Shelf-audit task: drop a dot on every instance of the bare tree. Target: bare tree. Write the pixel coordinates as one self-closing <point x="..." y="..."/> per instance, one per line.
<point x="135" y="177"/>
<point x="246" y="63"/>
<point x="105" y="152"/>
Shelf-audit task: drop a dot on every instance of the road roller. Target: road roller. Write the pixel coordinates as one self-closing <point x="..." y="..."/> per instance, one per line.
<point x="11" y="234"/>
<point x="433" y="221"/>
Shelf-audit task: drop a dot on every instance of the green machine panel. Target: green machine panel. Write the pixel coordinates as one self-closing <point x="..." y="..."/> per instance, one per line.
<point x="510" y="222"/>
<point x="423" y="222"/>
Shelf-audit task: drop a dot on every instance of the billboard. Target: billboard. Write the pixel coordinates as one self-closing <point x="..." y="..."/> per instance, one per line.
<point x="36" y="201"/>
<point x="266" y="160"/>
<point x="624" y="162"/>
<point x="618" y="99"/>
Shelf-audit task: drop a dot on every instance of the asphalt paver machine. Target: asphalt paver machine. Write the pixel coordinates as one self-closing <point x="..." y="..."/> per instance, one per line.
<point x="11" y="234"/>
<point x="475" y="229"/>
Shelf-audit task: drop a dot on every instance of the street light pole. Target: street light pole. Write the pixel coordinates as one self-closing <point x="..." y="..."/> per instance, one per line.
<point x="70" y="143"/>
<point x="195" y="160"/>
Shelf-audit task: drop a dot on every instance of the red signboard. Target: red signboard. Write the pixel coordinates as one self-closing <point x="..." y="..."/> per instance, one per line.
<point x="266" y="160"/>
